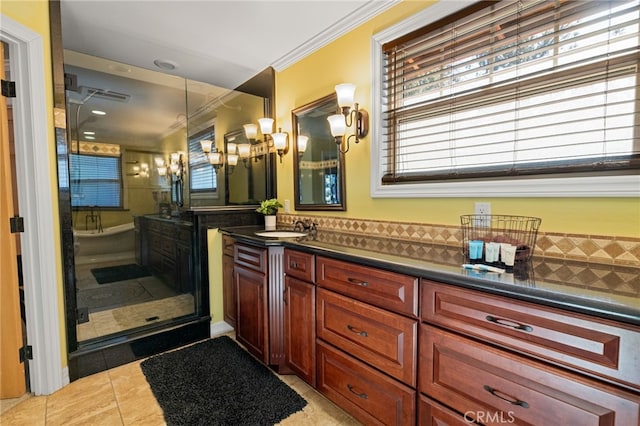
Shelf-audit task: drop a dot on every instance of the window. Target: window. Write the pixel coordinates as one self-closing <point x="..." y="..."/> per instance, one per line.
<point x="508" y="91"/>
<point x="201" y="172"/>
<point x="96" y="181"/>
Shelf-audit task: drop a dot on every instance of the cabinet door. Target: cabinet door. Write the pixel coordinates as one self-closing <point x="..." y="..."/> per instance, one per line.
<point x="251" y="319"/>
<point x="228" y="291"/>
<point x="299" y="328"/>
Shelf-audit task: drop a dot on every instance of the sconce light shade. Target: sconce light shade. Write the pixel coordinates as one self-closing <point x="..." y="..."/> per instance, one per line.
<point x="215" y="158"/>
<point x="244" y="150"/>
<point x="175" y="157"/>
<point x="232" y="159"/>
<point x="266" y="125"/>
<point x="346" y="93"/>
<point x="251" y="131"/>
<point x="337" y="125"/>
<point x="159" y="162"/>
<point x="206" y="145"/>
<point x="302" y="143"/>
<point x="279" y="141"/>
<point x="232" y="148"/>
<point x="162" y="171"/>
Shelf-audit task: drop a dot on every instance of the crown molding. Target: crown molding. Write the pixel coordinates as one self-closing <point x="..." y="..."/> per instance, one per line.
<point x="341" y="27"/>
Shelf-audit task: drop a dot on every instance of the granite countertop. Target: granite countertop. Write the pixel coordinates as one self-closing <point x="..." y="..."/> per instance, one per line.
<point x="607" y="291"/>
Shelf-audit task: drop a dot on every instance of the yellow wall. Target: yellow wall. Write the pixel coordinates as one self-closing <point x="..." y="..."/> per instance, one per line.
<point x="35" y="16"/>
<point x="348" y="59"/>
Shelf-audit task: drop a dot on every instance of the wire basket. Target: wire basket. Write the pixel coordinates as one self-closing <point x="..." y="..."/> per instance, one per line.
<point x="520" y="231"/>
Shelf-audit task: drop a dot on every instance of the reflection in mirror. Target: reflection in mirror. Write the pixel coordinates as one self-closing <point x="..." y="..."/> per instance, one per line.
<point x="319" y="180"/>
<point x="246" y="168"/>
<point x="141" y="161"/>
<point x="211" y="114"/>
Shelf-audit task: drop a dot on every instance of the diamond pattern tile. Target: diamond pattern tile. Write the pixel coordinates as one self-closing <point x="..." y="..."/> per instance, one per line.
<point x="586" y="248"/>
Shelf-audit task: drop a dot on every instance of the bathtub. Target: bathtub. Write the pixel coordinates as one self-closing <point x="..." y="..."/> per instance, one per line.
<point x="112" y="244"/>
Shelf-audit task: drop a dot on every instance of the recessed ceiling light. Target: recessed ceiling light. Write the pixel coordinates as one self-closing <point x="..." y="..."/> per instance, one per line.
<point x="86" y="132"/>
<point x="98" y="112"/>
<point x="166" y="64"/>
<point x="90" y="137"/>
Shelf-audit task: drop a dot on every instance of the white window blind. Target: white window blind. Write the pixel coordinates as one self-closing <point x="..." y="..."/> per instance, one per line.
<point x="511" y="88"/>
<point x="96" y="181"/>
<point x="202" y="174"/>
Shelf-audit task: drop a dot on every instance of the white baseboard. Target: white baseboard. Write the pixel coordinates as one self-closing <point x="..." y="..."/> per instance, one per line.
<point x="220" y="328"/>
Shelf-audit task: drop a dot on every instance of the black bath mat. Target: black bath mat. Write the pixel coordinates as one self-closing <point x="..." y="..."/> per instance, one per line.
<point x="216" y="382"/>
<point x="112" y="274"/>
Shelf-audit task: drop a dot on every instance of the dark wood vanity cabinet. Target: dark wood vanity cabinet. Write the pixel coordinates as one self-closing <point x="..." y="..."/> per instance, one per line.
<point x="367" y="341"/>
<point x="166" y="247"/>
<point x="499" y="360"/>
<point x="300" y="314"/>
<point x="258" y="278"/>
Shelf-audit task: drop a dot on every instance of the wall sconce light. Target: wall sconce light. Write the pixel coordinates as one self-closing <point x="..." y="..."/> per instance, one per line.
<point x="302" y="144"/>
<point x="232" y="156"/>
<point x="161" y="166"/>
<point x="215" y="157"/>
<point x="279" y="141"/>
<point x="348" y="117"/>
<point x="139" y="171"/>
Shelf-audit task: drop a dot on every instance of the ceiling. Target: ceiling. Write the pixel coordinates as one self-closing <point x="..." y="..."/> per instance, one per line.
<point x="224" y="43"/>
<point x="111" y="45"/>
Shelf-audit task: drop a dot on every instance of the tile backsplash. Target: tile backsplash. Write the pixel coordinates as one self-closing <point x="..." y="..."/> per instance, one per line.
<point x="588" y="248"/>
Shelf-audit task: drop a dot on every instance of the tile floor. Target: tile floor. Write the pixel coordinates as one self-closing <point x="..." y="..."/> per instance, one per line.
<point x="122" y="396"/>
<point x="155" y="300"/>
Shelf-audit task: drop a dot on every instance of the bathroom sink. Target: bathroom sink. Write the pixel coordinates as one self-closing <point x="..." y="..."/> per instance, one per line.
<point x="280" y="234"/>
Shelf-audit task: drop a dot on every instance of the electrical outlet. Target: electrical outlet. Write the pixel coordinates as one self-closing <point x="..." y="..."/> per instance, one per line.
<point x="483" y="209"/>
<point x="287" y="206"/>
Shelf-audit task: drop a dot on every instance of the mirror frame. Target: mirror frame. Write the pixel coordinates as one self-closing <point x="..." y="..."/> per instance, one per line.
<point x="342" y="191"/>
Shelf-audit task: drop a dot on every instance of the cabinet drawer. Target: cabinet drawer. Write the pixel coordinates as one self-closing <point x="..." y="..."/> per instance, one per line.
<point x="369" y="396"/>
<point x="482" y="381"/>
<point x="184" y="235"/>
<point x="591" y="345"/>
<point x="381" y="338"/>
<point x="250" y="257"/>
<point x="385" y="289"/>
<point x="430" y="413"/>
<point x="168" y="247"/>
<point x="227" y="245"/>
<point x="299" y="265"/>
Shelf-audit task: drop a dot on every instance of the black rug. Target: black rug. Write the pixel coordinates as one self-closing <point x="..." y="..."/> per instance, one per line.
<point x="112" y="274"/>
<point x="216" y="382"/>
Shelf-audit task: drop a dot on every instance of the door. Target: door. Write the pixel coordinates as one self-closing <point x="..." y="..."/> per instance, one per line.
<point x="12" y="373"/>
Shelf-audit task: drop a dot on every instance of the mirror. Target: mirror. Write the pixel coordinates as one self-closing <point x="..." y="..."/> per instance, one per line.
<point x="138" y="159"/>
<point x="318" y="168"/>
<point x="245" y="182"/>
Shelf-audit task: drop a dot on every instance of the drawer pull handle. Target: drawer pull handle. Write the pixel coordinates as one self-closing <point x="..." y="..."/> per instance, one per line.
<point x="361" y="395"/>
<point x="508" y="323"/>
<point x="505" y="397"/>
<point x="294" y="265"/>
<point x="358" y="282"/>
<point x="355" y="330"/>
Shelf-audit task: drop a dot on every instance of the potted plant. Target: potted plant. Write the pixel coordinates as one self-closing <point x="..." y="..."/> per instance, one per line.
<point x="269" y="208"/>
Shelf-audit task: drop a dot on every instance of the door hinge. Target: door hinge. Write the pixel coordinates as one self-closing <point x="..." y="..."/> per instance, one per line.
<point x="16" y="224"/>
<point x="8" y="89"/>
<point x="26" y="352"/>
